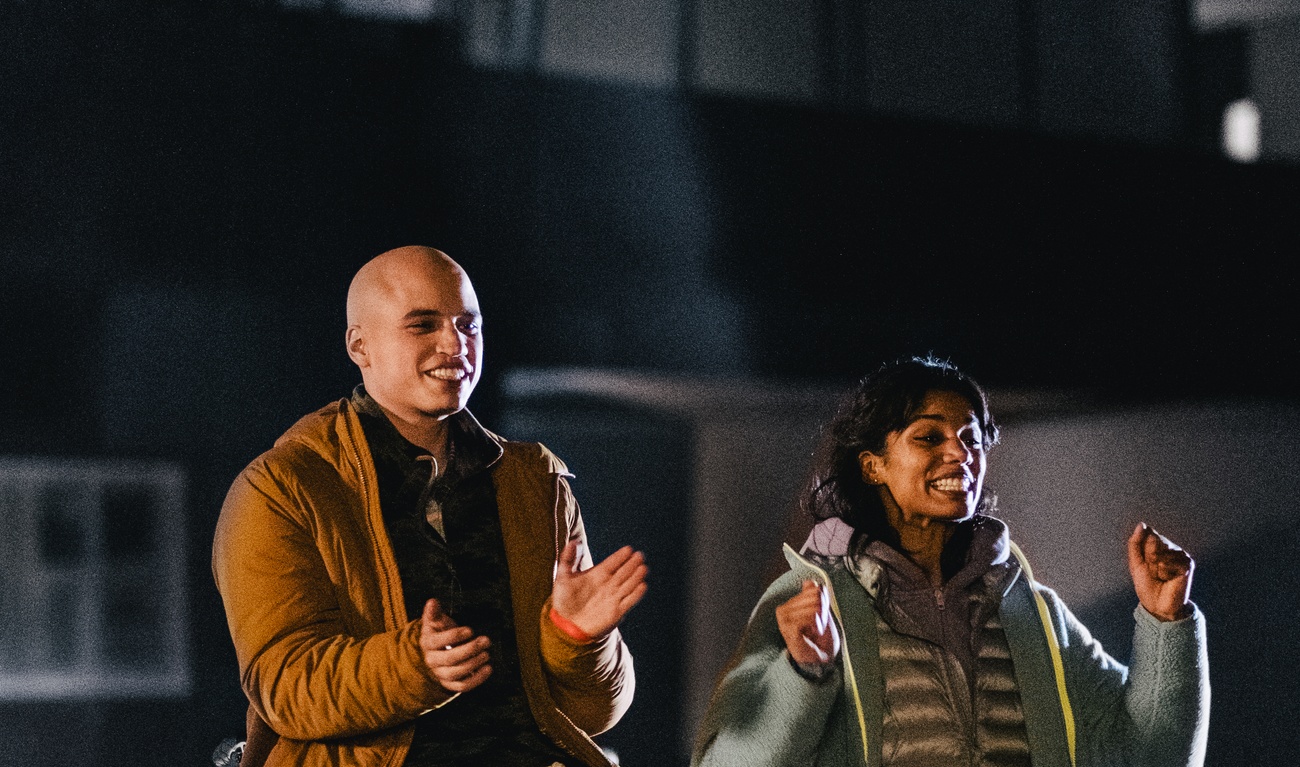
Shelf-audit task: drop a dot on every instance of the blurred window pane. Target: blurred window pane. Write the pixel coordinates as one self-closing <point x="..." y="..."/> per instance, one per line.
<point x="92" y="579"/>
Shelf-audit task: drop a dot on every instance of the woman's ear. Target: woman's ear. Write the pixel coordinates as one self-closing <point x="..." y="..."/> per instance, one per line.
<point x="870" y="463"/>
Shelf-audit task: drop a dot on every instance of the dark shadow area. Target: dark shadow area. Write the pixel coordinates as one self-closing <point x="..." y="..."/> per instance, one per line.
<point x="1136" y="272"/>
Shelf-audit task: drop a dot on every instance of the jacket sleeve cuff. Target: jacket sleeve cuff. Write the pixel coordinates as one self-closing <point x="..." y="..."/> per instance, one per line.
<point x="564" y="653"/>
<point x="813" y="672"/>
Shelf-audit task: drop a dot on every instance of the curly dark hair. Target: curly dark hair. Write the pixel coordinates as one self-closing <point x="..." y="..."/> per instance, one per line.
<point x="884" y="401"/>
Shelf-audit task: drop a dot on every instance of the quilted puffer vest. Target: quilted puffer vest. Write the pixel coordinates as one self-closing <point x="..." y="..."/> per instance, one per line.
<point x="934" y="716"/>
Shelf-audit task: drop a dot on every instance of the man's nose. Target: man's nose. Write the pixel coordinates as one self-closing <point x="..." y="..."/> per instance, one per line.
<point x="452" y="342"/>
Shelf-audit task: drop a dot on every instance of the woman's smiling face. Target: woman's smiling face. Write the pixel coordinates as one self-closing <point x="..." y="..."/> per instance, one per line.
<point x="931" y="470"/>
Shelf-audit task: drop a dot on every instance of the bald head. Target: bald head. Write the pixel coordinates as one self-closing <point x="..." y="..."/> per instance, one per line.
<point x="414" y="331"/>
<point x="377" y="283"/>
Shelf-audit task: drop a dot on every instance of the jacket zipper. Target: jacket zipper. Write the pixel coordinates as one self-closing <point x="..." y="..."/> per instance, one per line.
<point x="365" y="499"/>
<point x="374" y="541"/>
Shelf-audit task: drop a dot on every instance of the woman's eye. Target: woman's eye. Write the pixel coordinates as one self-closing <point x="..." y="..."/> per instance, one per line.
<point x="469" y="328"/>
<point x="930" y="439"/>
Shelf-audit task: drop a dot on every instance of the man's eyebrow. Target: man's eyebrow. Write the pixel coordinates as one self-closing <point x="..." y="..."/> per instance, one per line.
<point x="414" y="313"/>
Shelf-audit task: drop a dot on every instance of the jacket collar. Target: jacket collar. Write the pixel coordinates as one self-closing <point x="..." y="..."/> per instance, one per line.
<point x="475" y="448"/>
<point x="874" y="563"/>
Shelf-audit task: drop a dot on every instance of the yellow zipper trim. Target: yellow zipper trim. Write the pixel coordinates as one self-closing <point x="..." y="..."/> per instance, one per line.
<point x="844" y="648"/>
<point x="1053" y="648"/>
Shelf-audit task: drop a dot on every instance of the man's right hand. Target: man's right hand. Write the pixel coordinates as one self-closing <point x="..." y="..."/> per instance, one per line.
<point x="453" y="656"/>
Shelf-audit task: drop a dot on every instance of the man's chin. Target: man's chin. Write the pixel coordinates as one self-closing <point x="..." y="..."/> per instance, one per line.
<point x="443" y="410"/>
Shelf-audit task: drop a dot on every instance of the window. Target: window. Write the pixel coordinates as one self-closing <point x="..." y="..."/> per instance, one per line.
<point x="92" y="579"/>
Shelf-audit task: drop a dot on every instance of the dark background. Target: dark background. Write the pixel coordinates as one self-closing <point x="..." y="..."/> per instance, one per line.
<point x="188" y="187"/>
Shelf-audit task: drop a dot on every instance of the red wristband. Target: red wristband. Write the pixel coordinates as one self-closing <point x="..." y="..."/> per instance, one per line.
<point x="569" y="627"/>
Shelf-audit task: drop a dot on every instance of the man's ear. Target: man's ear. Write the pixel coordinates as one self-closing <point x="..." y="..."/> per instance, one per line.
<point x="356" y="346"/>
<point x="870" y="463"/>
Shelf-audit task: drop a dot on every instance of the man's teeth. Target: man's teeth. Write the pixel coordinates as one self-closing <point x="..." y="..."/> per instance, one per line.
<point x="950" y="484"/>
<point x="449" y="374"/>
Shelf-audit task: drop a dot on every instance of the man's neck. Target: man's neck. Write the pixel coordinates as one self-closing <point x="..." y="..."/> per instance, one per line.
<point x="428" y="433"/>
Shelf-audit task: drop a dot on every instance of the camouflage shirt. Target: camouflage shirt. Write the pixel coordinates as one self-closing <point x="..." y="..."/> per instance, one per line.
<point x="446" y="538"/>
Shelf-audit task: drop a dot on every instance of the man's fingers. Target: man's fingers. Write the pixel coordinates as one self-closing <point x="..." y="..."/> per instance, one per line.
<point x="434" y="616"/>
<point x="456" y="636"/>
<point x="629" y="600"/>
<point x="468" y="683"/>
<point x="445" y="669"/>
<point x="569" y="557"/>
<point x="634" y="569"/>
<point x="633" y="582"/>
<point x="612" y="563"/>
<point x="629" y="565"/>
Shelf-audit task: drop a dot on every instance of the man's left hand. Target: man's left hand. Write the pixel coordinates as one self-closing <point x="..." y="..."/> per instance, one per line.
<point x="595" y="600"/>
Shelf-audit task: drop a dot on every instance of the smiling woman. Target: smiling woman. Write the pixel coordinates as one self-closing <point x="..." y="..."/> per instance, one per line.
<point x="910" y="630"/>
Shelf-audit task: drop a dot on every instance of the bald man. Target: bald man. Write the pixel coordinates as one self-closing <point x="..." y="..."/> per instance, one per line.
<point x="404" y="587"/>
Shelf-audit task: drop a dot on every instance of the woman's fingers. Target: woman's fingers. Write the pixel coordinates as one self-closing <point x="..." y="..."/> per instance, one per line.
<point x="806" y="626"/>
<point x="1155" y="555"/>
<point x="1162" y="573"/>
<point x="1137" y="548"/>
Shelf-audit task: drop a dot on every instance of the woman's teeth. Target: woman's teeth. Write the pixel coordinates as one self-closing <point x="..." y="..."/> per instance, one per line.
<point x="449" y="374"/>
<point x="950" y="484"/>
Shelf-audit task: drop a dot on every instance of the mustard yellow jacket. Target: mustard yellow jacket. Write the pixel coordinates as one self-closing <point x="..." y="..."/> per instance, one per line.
<point x="314" y="603"/>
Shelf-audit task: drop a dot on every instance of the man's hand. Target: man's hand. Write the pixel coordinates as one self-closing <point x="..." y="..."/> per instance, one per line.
<point x="1162" y="574"/>
<point x="806" y="626"/>
<point x="453" y="656"/>
<point x="596" y="599"/>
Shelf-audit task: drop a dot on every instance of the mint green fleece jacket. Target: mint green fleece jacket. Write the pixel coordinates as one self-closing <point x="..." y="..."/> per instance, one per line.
<point x="1152" y="714"/>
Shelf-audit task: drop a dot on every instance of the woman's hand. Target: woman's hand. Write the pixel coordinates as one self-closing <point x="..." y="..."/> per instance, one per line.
<point x="595" y="600"/>
<point x="805" y="621"/>
<point x="1162" y="574"/>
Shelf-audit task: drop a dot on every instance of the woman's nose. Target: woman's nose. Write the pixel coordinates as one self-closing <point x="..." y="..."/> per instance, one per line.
<point x="958" y="450"/>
